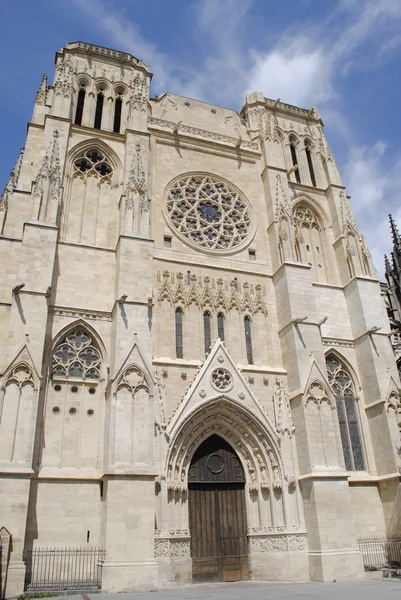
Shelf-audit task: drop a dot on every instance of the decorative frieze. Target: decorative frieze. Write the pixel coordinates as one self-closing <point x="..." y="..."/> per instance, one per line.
<point x="172" y="543"/>
<point x="207" y="292"/>
<point x="90" y="315"/>
<point x="202" y="133"/>
<point x="260" y="544"/>
<point x="337" y="342"/>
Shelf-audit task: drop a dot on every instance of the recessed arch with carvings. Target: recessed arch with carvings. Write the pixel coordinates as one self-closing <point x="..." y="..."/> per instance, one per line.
<point x="255" y="445"/>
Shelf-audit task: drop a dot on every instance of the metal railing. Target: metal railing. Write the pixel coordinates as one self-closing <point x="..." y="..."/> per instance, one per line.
<point x="63" y="568"/>
<point x="380" y="552"/>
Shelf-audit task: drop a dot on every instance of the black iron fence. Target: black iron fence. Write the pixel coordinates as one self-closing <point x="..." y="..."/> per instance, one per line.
<point x="63" y="568"/>
<point x="380" y="552"/>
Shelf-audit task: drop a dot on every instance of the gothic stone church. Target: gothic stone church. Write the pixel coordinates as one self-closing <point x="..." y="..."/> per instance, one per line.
<point x="195" y="369"/>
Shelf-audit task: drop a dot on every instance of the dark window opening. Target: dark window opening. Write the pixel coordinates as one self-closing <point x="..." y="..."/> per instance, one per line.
<point x="117" y="115"/>
<point x="99" y="110"/>
<point x="310" y="165"/>
<point x="295" y="162"/>
<point x="80" y="107"/>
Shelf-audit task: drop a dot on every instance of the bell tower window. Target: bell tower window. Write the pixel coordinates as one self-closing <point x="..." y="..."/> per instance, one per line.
<point x="117" y="115"/>
<point x="99" y="110"/>
<point x="310" y="164"/>
<point x="295" y="160"/>
<point x="80" y="106"/>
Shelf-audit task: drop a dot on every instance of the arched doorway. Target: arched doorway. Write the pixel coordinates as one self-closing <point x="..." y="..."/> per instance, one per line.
<point x="217" y="513"/>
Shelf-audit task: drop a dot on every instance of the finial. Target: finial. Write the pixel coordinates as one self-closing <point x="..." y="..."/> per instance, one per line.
<point x="41" y="95"/>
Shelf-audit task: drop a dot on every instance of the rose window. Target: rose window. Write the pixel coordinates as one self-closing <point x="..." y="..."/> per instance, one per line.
<point x="221" y="379"/>
<point x="76" y="357"/>
<point x="208" y="213"/>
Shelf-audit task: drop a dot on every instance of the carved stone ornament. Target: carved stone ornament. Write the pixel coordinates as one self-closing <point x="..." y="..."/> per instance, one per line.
<point x="243" y="431"/>
<point x="221" y="379"/>
<point x="11" y="184"/>
<point x="41" y="96"/>
<point x="316" y="393"/>
<point x="172" y="548"/>
<point x="137" y="178"/>
<point x="261" y="544"/>
<point x="284" y="422"/>
<point x="207" y="293"/>
<point x="209" y="214"/>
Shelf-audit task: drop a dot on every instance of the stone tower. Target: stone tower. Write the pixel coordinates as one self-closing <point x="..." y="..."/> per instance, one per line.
<point x="191" y="322"/>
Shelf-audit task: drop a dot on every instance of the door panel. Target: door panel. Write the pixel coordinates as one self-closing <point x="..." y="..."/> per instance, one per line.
<point x="217" y="514"/>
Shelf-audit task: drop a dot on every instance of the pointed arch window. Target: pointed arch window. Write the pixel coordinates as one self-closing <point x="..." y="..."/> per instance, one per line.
<point x="207" y="332"/>
<point x="178" y="333"/>
<point x="308" y="152"/>
<point x="76" y="356"/>
<point x="248" y="339"/>
<point x="99" y="110"/>
<point x="295" y="160"/>
<point x="220" y="326"/>
<point x="80" y="106"/>
<point x="344" y="392"/>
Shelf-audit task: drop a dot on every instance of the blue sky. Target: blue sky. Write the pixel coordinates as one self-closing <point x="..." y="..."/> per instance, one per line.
<point x="342" y="55"/>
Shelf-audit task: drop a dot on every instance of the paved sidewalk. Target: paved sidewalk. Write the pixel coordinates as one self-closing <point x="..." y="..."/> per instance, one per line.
<point x="252" y="590"/>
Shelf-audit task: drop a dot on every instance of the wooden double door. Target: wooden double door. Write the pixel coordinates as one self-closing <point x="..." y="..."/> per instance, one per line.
<point x="217" y="513"/>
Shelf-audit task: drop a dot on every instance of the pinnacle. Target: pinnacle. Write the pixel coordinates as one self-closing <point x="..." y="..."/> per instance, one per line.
<point x="394" y="232"/>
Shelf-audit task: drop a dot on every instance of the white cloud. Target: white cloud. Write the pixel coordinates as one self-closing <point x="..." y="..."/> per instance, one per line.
<point x="373" y="178"/>
<point x="298" y="75"/>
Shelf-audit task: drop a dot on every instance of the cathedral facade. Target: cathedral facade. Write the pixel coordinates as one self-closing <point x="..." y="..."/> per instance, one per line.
<point x="196" y="373"/>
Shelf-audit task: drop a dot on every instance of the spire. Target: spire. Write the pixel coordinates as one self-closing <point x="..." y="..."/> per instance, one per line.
<point x="41" y="95"/>
<point x="394" y="232"/>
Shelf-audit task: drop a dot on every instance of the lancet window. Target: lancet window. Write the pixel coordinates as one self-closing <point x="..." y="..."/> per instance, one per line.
<point x="76" y="357"/>
<point x="99" y="110"/>
<point x="308" y="152"/>
<point x="220" y="326"/>
<point x="207" y="332"/>
<point x="80" y="106"/>
<point x="248" y="339"/>
<point x="294" y="158"/>
<point x="178" y="333"/>
<point x="117" y="114"/>
<point x="347" y="411"/>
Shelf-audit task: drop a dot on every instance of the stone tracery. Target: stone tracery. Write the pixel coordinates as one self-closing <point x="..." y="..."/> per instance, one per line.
<point x="208" y="213"/>
<point x="76" y="356"/>
<point x="92" y="163"/>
